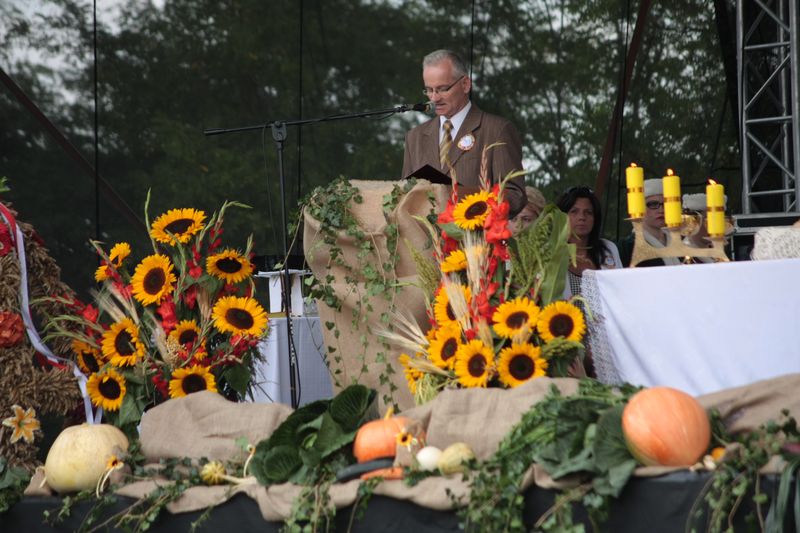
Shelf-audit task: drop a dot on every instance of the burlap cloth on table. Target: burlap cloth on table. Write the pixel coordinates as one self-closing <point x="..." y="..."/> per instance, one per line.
<point x="354" y="342"/>
<point x="206" y="425"/>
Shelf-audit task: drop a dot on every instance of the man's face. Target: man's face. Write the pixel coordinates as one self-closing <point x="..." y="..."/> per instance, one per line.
<point x="654" y="211"/>
<point x="439" y="77"/>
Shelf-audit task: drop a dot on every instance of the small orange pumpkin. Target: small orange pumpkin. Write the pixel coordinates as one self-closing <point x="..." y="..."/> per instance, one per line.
<point x="378" y="439"/>
<point x="665" y="426"/>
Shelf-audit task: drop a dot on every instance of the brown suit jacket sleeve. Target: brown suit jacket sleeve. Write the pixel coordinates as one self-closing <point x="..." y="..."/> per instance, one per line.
<point x="422" y="147"/>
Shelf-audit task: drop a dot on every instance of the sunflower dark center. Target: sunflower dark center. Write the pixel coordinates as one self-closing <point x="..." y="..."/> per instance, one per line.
<point x="239" y="318"/>
<point x="449" y="348"/>
<point x="90" y="361"/>
<point x="476" y="365"/>
<point x="187" y="336"/>
<point x="475" y="210"/>
<point x="521" y="367"/>
<point x="154" y="280"/>
<point x="229" y="265"/>
<point x="450" y="314"/>
<point x="110" y="389"/>
<point x="517" y="319"/>
<point x="123" y="344"/>
<point x="193" y="383"/>
<point x="178" y="227"/>
<point x="561" y="325"/>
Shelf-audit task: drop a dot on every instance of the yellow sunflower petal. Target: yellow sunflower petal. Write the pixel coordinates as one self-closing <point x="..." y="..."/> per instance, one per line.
<point x="153" y="279"/>
<point x="520" y="363"/>
<point x="107" y="390"/>
<point x="474" y="364"/>
<point x="177" y="226"/>
<point x="229" y="266"/>
<point x="456" y="261"/>
<point x="471" y="212"/>
<point x="119" y="252"/>
<point x="561" y="319"/>
<point x="191" y="379"/>
<point x="240" y="316"/>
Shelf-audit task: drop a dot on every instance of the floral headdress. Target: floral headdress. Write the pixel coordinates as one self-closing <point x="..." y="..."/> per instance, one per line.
<point x="183" y="321"/>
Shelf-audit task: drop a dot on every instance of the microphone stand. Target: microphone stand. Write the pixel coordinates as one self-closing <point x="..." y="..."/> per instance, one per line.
<point x="279" y="135"/>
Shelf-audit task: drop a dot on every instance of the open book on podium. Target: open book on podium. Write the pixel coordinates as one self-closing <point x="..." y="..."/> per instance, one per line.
<point x="434" y="175"/>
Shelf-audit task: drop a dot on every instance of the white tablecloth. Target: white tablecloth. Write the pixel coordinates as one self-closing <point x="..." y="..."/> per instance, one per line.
<point x="272" y="375"/>
<point x="698" y="328"/>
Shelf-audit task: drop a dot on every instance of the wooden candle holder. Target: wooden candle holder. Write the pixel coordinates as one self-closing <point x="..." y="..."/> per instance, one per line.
<point x="642" y="250"/>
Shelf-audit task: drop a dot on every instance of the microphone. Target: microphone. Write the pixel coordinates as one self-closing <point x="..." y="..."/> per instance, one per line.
<point x="424" y="107"/>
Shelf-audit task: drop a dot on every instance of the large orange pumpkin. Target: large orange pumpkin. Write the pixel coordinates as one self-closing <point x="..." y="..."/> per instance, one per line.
<point x="378" y="439"/>
<point x="667" y="427"/>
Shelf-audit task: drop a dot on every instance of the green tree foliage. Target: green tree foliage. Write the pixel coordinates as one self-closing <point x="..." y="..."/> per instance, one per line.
<point x="165" y="74"/>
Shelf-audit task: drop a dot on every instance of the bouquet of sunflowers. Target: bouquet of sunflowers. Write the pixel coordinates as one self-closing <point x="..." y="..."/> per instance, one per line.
<point x="181" y="320"/>
<point x="495" y="302"/>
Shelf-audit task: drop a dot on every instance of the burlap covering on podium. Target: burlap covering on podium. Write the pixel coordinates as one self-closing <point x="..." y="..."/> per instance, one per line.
<point x="205" y="425"/>
<point x="358" y="345"/>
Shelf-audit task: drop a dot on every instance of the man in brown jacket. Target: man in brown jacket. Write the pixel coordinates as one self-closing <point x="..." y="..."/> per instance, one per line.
<point x="461" y="130"/>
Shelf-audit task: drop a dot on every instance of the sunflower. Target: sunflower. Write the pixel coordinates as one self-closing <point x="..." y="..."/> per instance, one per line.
<point x="88" y="357"/>
<point x="561" y="319"/>
<point x="444" y="345"/>
<point x="177" y="225"/>
<point x="22" y="424"/>
<point x="443" y="310"/>
<point x="121" y="344"/>
<point x="240" y="316"/>
<point x="230" y="266"/>
<point x="101" y="274"/>
<point x="118" y="253"/>
<point x="515" y="316"/>
<point x="153" y="279"/>
<point x="471" y="212"/>
<point x="456" y="261"/>
<point x="412" y="374"/>
<point x="519" y="363"/>
<point x="474" y="364"/>
<point x="107" y="389"/>
<point x="185" y="333"/>
<point x="192" y="379"/>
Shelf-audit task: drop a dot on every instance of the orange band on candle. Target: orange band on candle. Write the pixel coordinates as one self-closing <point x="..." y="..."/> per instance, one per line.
<point x="715" y="208"/>
<point x="672" y="198"/>
<point x="635" y="189"/>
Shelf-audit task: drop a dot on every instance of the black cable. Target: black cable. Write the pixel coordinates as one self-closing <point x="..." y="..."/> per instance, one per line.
<point x="471" y="41"/>
<point x="97" y="231"/>
<point x="715" y="150"/>
<point x="620" y="164"/>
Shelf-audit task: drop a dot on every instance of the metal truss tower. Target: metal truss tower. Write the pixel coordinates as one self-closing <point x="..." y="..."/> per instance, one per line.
<point x="769" y="111"/>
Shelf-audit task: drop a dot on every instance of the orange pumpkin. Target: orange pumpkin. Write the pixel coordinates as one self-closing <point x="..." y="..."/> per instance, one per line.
<point x="667" y="427"/>
<point x="378" y="439"/>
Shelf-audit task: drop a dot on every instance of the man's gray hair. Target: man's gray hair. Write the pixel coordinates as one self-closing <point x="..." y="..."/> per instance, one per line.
<point x="434" y="58"/>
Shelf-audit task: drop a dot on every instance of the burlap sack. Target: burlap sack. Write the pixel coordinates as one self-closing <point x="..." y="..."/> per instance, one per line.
<point x="358" y="344"/>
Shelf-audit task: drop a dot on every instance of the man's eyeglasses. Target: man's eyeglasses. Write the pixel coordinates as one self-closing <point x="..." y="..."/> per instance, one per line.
<point x="654" y="205"/>
<point x="428" y="91"/>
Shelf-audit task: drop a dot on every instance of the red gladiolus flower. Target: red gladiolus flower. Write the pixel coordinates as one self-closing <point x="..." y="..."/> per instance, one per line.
<point x="5" y="240"/>
<point x="190" y="296"/>
<point x="90" y="313"/>
<point x="167" y="312"/>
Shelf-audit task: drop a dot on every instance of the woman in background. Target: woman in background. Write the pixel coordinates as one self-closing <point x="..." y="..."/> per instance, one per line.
<point x="585" y="220"/>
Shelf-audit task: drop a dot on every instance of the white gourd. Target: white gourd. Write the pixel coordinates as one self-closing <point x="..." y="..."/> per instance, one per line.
<point x="79" y="456"/>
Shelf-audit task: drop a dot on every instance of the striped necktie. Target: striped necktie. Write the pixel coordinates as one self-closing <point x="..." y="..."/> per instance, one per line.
<point x="447" y="142"/>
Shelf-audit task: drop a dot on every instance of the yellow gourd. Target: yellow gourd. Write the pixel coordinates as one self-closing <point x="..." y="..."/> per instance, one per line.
<point x="453" y="458"/>
<point x="79" y="456"/>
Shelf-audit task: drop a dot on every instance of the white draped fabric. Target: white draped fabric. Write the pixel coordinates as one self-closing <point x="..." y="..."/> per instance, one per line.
<point x="272" y="375"/>
<point x="699" y="328"/>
